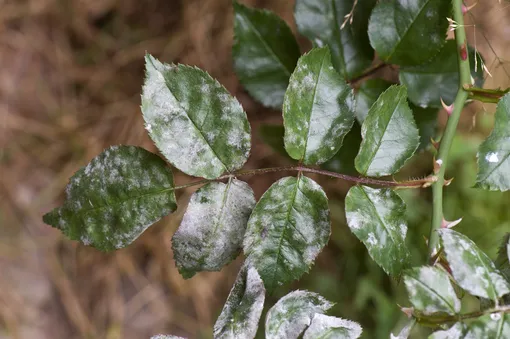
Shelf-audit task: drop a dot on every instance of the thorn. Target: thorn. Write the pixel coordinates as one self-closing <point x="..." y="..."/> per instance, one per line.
<point x="426" y="240"/>
<point x="450" y="224"/>
<point x="448" y="109"/>
<point x="435" y="144"/>
<point x="463" y="52"/>
<point x="447" y="182"/>
<point x="437" y="165"/>
<point x="466" y="9"/>
<point x="408" y="311"/>
<point x="431" y="179"/>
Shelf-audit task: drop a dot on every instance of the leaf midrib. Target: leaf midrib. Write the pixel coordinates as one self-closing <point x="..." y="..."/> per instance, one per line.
<point x="435" y="293"/>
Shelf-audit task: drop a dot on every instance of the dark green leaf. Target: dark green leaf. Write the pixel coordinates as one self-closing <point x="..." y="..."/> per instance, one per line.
<point x="503" y="259"/>
<point x="367" y="94"/>
<point x="272" y="135"/>
<point x="193" y="120"/>
<point x="320" y="21"/>
<point x="317" y="109"/>
<point x="494" y="152"/>
<point x="430" y="291"/>
<point x="116" y="197"/>
<point x="212" y="229"/>
<point x="326" y="327"/>
<point x="457" y="331"/>
<point x="287" y="229"/>
<point x="493" y="326"/>
<point x="389" y="132"/>
<point x="471" y="268"/>
<point x="439" y="78"/>
<point x="426" y="121"/>
<point x="408" y="32"/>
<point x="343" y="160"/>
<point x="241" y="313"/>
<point x="265" y="53"/>
<point x="290" y="316"/>
<point x="377" y="218"/>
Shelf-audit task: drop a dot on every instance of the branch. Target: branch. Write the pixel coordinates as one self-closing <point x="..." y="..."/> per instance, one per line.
<point x="451" y="126"/>
<point x="454" y="318"/>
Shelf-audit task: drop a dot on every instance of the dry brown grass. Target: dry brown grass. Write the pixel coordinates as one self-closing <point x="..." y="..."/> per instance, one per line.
<point x="70" y="79"/>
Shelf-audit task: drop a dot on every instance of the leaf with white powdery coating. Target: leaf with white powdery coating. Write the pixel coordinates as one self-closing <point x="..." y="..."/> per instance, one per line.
<point x="494" y="152"/>
<point x="407" y="32"/>
<point x="288" y="228"/>
<point x="116" y="197"/>
<point x="430" y="291"/>
<point x="326" y="327"/>
<point x="292" y="314"/>
<point x="457" y="331"/>
<point x="472" y="269"/>
<point x="241" y="314"/>
<point x="390" y="135"/>
<point x="377" y="218"/>
<point x="493" y="326"/>
<point x="166" y="336"/>
<point x="317" y="110"/>
<point x="321" y="22"/>
<point x="193" y="120"/>
<point x="368" y="93"/>
<point x="212" y="229"/>
<point x="265" y="53"/>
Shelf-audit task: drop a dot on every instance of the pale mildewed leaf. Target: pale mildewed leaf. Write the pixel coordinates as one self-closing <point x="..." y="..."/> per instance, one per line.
<point x="317" y="110"/>
<point x="457" y="331"/>
<point x="288" y="228"/>
<point x="241" y="314"/>
<point x="212" y="229"/>
<point x="390" y="135"/>
<point x="116" y="197"/>
<point x="321" y="22"/>
<point x="377" y="217"/>
<point x="472" y="269"/>
<point x="326" y="327"/>
<point x="493" y="326"/>
<point x="293" y="313"/>
<point x="430" y="291"/>
<point x="494" y="152"/>
<point x="193" y="120"/>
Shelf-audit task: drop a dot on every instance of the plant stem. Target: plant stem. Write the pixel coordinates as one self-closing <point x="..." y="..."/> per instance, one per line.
<point x="359" y="180"/>
<point x="454" y="318"/>
<point x="451" y="126"/>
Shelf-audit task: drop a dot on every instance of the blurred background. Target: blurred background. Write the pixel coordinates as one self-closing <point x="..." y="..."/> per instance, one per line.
<point x="70" y="80"/>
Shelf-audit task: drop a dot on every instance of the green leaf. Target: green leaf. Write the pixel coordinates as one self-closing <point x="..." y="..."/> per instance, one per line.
<point x="193" y="120"/>
<point x="390" y="135"/>
<point x="241" y="313"/>
<point x="265" y="53"/>
<point x="317" y="109"/>
<point x="471" y="268"/>
<point x="503" y="259"/>
<point x="377" y="218"/>
<point x="287" y="229"/>
<point x="272" y="135"/>
<point x="457" y="331"/>
<point x="494" y="152"/>
<point x="343" y="160"/>
<point x="292" y="314"/>
<point x="367" y="94"/>
<point x="406" y="32"/>
<point x="426" y="121"/>
<point x="326" y="327"/>
<point x="430" y="291"/>
<point x="493" y="326"/>
<point x="212" y="229"/>
<point x="116" y="197"/>
<point x="320" y="21"/>
<point x="438" y="78"/>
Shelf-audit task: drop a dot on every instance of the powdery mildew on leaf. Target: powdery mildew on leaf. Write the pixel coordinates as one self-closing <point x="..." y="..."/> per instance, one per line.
<point x="265" y="53"/>
<point x="317" y="109"/>
<point x="457" y="331"/>
<point x="165" y="336"/>
<point x="377" y="217"/>
<point x="212" y="229"/>
<point x="293" y="313"/>
<point x="321" y="22"/>
<point x="493" y="326"/>
<point x="326" y="327"/>
<point x="390" y="135"/>
<point x="494" y="152"/>
<point x="116" y="197"/>
<point x="472" y="269"/>
<point x="430" y="291"/>
<point x="240" y="316"/>
<point x="193" y="120"/>
<point x="288" y="228"/>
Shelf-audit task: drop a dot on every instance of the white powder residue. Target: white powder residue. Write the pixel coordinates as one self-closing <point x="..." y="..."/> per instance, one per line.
<point x="456" y="331"/>
<point x="492" y="157"/>
<point x="323" y="325"/>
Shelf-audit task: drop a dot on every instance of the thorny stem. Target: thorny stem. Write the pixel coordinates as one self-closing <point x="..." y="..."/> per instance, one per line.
<point x="460" y="317"/>
<point x="451" y="126"/>
<point x="303" y="169"/>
